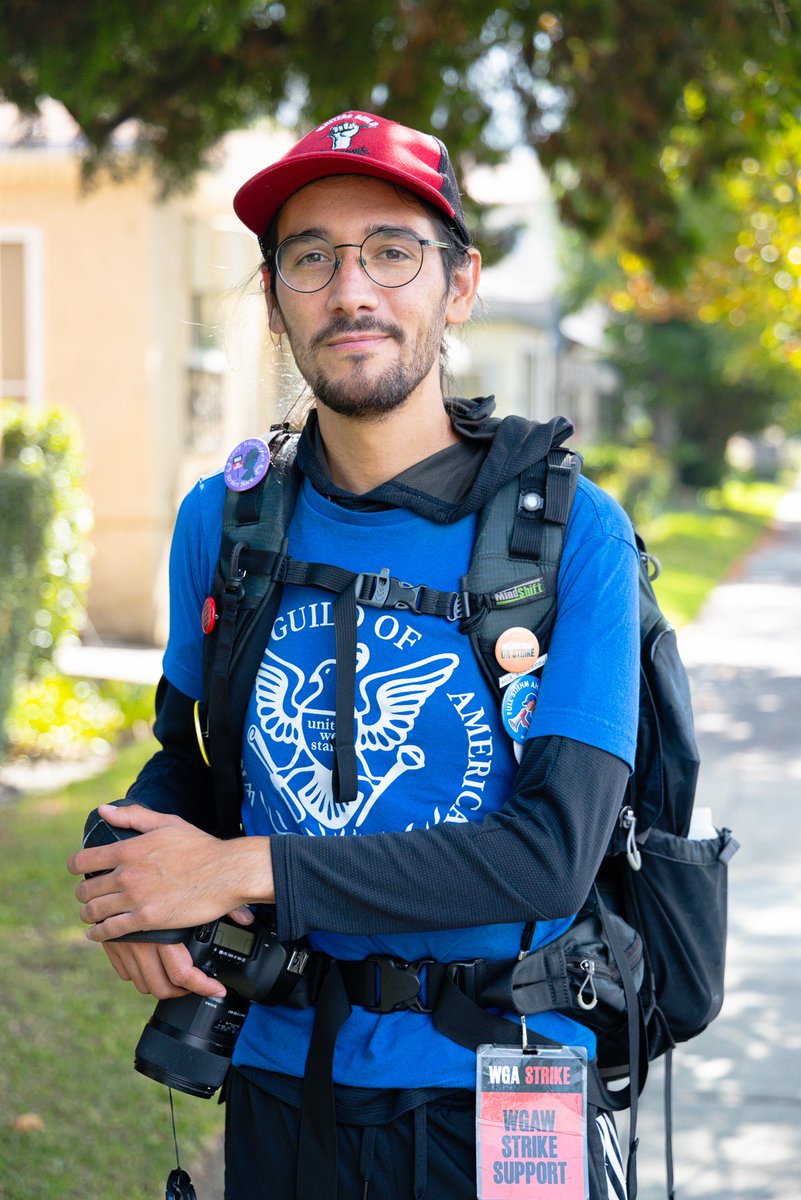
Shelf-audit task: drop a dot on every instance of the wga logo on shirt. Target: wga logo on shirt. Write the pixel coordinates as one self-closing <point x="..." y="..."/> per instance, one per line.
<point x="293" y="734"/>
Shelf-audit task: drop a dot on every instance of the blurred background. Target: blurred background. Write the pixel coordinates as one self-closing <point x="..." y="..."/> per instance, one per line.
<point x="633" y="175"/>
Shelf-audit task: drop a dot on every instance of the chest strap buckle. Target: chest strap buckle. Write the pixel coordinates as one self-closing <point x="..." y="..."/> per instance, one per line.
<point x="384" y="591"/>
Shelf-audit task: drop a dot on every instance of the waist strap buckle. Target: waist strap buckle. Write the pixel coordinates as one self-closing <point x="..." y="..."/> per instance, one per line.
<point x="398" y="985"/>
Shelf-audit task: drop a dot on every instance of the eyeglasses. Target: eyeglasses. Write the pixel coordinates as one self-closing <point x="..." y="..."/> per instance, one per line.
<point x="390" y="257"/>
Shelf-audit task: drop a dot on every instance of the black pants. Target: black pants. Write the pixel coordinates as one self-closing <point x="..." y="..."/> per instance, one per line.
<point x="427" y="1153"/>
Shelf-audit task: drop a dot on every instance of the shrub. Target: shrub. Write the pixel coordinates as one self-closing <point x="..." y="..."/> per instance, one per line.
<point x="44" y="522"/>
<point x="54" y="715"/>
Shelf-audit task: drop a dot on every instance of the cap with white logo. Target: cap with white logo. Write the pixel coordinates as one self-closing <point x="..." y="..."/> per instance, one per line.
<point x="356" y="143"/>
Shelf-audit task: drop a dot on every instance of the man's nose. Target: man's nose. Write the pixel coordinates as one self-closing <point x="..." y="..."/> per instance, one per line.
<point x="351" y="289"/>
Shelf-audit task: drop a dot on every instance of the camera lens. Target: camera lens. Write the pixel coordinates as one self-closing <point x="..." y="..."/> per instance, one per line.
<point x="188" y="1042"/>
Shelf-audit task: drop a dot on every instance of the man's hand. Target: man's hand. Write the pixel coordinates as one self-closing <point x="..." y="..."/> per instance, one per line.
<point x="162" y="971"/>
<point x="173" y="876"/>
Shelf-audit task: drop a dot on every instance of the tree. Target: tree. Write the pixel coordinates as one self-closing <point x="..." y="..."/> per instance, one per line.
<point x="679" y="373"/>
<point x="722" y="352"/>
<point x="600" y="87"/>
<point x="670" y="130"/>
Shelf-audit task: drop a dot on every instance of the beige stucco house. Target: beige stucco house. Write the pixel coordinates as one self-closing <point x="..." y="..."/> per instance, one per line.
<point x="145" y="319"/>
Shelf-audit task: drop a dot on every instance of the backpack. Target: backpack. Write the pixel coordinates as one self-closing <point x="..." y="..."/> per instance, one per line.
<point x="643" y="962"/>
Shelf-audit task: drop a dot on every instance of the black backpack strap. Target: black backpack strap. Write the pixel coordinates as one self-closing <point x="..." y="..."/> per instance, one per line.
<point x="464" y="1021"/>
<point x="546" y="495"/>
<point x="317" y="1140"/>
<point x="254" y="521"/>
<point x="627" y="1097"/>
<point x="516" y="555"/>
<point x="219" y="732"/>
<point x="455" y="1014"/>
<point x="345" y="773"/>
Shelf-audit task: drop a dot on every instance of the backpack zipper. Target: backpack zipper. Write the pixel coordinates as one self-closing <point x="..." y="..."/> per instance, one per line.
<point x="593" y="970"/>
<point x="628" y="821"/>
<point x="588" y="967"/>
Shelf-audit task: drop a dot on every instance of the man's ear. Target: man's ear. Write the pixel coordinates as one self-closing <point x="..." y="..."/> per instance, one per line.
<point x="463" y="288"/>
<point x="274" y="314"/>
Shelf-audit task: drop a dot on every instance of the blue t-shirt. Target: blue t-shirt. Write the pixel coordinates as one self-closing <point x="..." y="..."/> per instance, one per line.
<point x="430" y="743"/>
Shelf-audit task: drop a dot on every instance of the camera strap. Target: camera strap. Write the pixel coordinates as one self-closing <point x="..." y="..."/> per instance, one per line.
<point x="179" y="1185"/>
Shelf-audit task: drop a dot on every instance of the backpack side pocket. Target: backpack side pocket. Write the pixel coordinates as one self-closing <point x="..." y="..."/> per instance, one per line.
<point x="680" y="901"/>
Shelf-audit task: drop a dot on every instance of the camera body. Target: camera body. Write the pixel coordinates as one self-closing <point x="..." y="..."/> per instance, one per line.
<point x="188" y="1041"/>
<point x="248" y="959"/>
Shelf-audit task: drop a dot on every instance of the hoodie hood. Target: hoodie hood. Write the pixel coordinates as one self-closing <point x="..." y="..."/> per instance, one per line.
<point x="490" y="453"/>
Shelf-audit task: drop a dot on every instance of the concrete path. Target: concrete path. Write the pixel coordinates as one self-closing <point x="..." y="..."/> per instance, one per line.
<point x="737" y="1088"/>
<point x="131" y="664"/>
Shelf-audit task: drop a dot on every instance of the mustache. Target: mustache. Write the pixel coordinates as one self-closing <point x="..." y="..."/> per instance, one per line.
<point x="341" y="325"/>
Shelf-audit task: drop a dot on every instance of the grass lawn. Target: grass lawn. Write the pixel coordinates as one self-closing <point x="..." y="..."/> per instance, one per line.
<point x="701" y="545"/>
<point x="77" y="1123"/>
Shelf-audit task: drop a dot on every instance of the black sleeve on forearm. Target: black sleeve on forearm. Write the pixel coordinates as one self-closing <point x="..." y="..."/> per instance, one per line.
<point x="535" y="859"/>
<point x="176" y="779"/>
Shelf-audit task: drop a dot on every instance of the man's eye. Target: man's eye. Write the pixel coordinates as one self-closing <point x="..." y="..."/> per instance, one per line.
<point x="392" y="252"/>
<point x="304" y="255"/>
<point x="312" y="258"/>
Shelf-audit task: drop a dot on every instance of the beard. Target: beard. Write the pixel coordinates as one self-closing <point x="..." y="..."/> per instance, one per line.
<point x="362" y="393"/>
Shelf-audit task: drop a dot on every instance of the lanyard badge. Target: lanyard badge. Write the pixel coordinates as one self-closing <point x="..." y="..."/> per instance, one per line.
<point x="531" y="1123"/>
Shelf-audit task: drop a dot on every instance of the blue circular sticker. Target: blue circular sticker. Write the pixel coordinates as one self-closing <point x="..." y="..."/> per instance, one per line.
<point x="518" y="704"/>
<point x="247" y="465"/>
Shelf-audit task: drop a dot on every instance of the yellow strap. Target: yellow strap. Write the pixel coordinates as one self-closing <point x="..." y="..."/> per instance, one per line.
<point x="199" y="732"/>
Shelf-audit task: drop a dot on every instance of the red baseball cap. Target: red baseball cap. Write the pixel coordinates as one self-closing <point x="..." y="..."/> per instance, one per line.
<point x="355" y="143"/>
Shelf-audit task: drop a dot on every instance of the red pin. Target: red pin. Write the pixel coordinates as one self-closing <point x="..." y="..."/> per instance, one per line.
<point x="208" y="617"/>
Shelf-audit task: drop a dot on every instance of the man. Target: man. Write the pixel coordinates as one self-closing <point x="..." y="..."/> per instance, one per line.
<point x="463" y="853"/>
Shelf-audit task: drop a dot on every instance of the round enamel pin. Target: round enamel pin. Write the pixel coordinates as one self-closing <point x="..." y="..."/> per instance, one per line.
<point x="518" y="704"/>
<point x="517" y="650"/>
<point x="247" y="465"/>
<point x="208" y="616"/>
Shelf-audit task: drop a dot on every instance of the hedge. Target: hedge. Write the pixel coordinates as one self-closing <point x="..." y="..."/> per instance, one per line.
<point x="44" y="522"/>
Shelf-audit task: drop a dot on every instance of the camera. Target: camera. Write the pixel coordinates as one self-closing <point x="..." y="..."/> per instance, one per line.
<point x="188" y="1042"/>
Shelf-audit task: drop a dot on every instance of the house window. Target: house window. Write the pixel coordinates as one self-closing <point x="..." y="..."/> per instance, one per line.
<point x="21" y="315"/>
<point x="205" y="375"/>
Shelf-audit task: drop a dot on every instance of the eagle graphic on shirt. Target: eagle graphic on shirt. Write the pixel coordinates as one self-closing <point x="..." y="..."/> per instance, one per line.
<point x="293" y="737"/>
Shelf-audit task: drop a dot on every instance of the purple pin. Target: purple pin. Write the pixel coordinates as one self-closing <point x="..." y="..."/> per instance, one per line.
<point x="247" y="465"/>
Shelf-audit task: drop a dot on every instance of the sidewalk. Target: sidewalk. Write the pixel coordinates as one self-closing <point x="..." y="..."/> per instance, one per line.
<point x="737" y="1088"/>
<point x="130" y="664"/>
